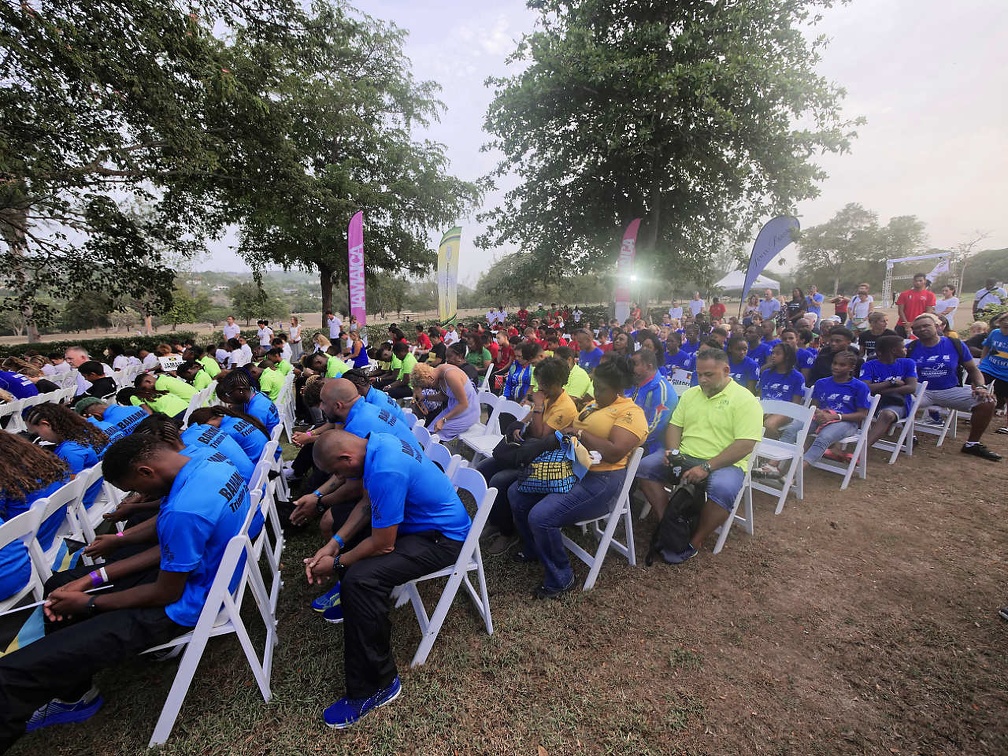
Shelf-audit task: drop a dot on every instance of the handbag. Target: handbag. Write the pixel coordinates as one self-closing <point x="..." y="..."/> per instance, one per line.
<point x="552" y="471"/>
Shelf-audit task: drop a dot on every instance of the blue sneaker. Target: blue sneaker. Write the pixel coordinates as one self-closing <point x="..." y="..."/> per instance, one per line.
<point x="334" y="613"/>
<point x="347" y="711"/>
<point x="66" y="712"/>
<point x="330" y="598"/>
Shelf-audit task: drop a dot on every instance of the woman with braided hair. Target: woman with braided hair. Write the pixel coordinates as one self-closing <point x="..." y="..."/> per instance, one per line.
<point x="247" y="431"/>
<point x="77" y="442"/>
<point x="236" y="389"/>
<point x="36" y="474"/>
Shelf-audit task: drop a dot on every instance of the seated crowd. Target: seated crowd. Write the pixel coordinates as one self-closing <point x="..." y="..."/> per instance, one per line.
<point x="686" y="389"/>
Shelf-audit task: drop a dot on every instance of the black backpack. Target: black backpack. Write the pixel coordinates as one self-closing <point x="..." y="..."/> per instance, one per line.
<point x="677" y="526"/>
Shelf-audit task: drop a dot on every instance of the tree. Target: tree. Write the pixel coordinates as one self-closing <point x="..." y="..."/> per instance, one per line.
<point x="106" y="103"/>
<point x="89" y="310"/>
<point x="331" y="135"/>
<point x="701" y="118"/>
<point x="247" y="300"/>
<point x="851" y="247"/>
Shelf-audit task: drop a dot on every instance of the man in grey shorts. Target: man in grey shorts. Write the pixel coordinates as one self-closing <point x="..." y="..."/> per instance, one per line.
<point x="938" y="359"/>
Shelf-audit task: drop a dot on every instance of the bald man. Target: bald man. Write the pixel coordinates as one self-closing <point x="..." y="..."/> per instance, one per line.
<point x="418" y="525"/>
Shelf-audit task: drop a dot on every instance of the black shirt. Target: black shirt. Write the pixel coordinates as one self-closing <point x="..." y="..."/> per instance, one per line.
<point x="867" y="340"/>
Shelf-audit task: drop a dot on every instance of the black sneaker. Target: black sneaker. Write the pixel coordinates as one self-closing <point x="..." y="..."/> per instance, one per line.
<point x="542" y="592"/>
<point x="979" y="450"/>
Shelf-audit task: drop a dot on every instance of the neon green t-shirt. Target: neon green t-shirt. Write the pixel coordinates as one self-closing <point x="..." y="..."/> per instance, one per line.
<point x="335" y="367"/>
<point x="201" y="380"/>
<point x="406" y="366"/>
<point x="270" y="383"/>
<point x="711" y="425"/>
<point x="175" y="386"/>
<point x="210" y="365"/>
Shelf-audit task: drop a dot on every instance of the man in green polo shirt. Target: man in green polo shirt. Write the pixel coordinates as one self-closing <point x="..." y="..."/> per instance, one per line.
<point x="713" y="430"/>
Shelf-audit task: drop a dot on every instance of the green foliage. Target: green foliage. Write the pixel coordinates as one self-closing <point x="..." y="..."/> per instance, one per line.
<point x="992" y="263"/>
<point x="86" y="310"/>
<point x="699" y="118"/>
<point x="513" y="279"/>
<point x="96" y="347"/>
<point x="250" y="300"/>
<point x="852" y="247"/>
<point x="331" y="134"/>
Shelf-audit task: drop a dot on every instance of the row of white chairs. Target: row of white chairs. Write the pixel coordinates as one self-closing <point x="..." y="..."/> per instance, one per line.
<point x="15" y="410"/>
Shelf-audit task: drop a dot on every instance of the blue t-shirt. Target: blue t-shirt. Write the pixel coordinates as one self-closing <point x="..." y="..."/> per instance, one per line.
<point x="939" y="364"/>
<point x="364" y="419"/>
<point x="205" y="508"/>
<point x="590" y="360"/>
<point x="381" y="400"/>
<point x="875" y="371"/>
<point x="760" y="353"/>
<point x="996" y="361"/>
<point x="813" y="303"/>
<point x="657" y="398"/>
<point x="15" y="568"/>
<point x="518" y="382"/>
<point x="118" y="421"/>
<point x="262" y="409"/>
<point x="845" y="398"/>
<point x="196" y="436"/>
<point x="11" y="508"/>
<point x="691" y="347"/>
<point x="806" y="358"/>
<point x="18" y="385"/>
<point x="744" y="371"/>
<point x="248" y="437"/>
<point x="681" y="360"/>
<point x="407" y="489"/>
<point x="788" y="387"/>
<point x="78" y="458"/>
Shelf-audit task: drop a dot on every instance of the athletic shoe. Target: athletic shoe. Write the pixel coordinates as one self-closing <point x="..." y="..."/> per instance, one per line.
<point x="326" y="600"/>
<point x="501" y="544"/>
<point x="1004" y="613"/>
<point x="523" y="558"/>
<point x="683" y="556"/>
<point x="542" y="592"/>
<point x="979" y="450"/>
<point x="1002" y="430"/>
<point x="66" y="712"/>
<point x="347" y="711"/>
<point x="334" y="614"/>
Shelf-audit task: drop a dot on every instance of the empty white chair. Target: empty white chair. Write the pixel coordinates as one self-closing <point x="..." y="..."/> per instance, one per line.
<point x="618" y="510"/>
<point x="484" y="385"/>
<point x="469" y="560"/>
<point x="482" y="440"/>
<point x="742" y="500"/>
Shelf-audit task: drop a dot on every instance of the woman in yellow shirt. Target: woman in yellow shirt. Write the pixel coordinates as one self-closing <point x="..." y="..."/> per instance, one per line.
<point x="613" y="426"/>
<point x="552" y="410"/>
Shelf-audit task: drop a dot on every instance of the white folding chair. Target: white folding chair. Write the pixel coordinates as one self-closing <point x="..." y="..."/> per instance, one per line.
<point x="411" y="419"/>
<point x="743" y="500"/>
<point x="483" y="440"/>
<point x="778" y="451"/>
<point x="807" y="397"/>
<point x="221" y="615"/>
<point x="950" y="424"/>
<point x="422" y="434"/>
<point x="12" y="411"/>
<point x="619" y="509"/>
<point x="65" y="499"/>
<point x="442" y="457"/>
<point x="23" y="528"/>
<point x="859" y="457"/>
<point x="905" y="442"/>
<point x="469" y="560"/>
<point x="484" y="386"/>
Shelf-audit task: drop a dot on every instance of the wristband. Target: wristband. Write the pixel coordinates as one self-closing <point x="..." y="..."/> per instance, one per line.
<point x="104" y="575"/>
<point x="308" y="433"/>
<point x="319" y="494"/>
<point x="96" y="579"/>
<point x="120" y="534"/>
<point x="339" y="541"/>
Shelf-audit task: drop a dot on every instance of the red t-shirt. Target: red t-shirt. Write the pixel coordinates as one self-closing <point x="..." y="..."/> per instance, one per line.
<point x="423" y="340"/>
<point x="717" y="310"/>
<point x="505" y="356"/>
<point x="915" y="303"/>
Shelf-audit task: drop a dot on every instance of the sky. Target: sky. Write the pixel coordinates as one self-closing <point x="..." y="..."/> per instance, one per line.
<point x="930" y="77"/>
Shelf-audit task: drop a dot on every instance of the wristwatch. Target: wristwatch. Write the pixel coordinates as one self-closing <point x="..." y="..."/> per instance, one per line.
<point x="92" y="607"/>
<point x="319" y="506"/>
<point x="338" y="567"/>
<point x="705" y="466"/>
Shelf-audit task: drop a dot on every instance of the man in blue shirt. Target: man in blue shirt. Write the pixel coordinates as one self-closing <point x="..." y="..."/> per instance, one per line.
<point x="653" y="394"/>
<point x="769" y="306"/>
<point x="938" y="361"/>
<point x="418" y="525"/>
<point x="813" y="301"/>
<point x="372" y="395"/>
<point x="589" y="355"/>
<point x="893" y="376"/>
<point x="205" y="505"/>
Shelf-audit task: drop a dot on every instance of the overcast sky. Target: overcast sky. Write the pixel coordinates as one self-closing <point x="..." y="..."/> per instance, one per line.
<point x="929" y="76"/>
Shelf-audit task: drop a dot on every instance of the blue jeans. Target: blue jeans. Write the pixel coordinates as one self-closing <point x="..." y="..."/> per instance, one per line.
<point x="827" y="437"/>
<point x="723" y="484"/>
<point x="539" y="518"/>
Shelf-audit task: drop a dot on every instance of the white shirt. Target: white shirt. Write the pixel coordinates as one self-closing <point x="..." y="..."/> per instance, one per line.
<point x="451" y="337"/>
<point x="231" y="331"/>
<point x="334" y="328"/>
<point x="988" y="297"/>
<point x="265" y="336"/>
<point x="858" y="310"/>
<point x="675" y="313"/>
<point x="285" y="351"/>
<point x="577" y="315"/>
<point x="947" y="308"/>
<point x="150" y="361"/>
<point x="120" y="362"/>
<point x="295" y="334"/>
<point x="237" y="358"/>
<point x="696" y="306"/>
<point x="223" y="356"/>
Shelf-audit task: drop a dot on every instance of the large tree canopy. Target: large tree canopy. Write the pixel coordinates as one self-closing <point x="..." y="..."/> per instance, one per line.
<point x="703" y="118"/>
<point x="334" y="136"/>
<point x="105" y="111"/>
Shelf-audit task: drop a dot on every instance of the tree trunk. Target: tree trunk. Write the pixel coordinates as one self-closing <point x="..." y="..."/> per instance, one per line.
<point x="325" y="283"/>
<point x="148" y="325"/>
<point x="15" y="228"/>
